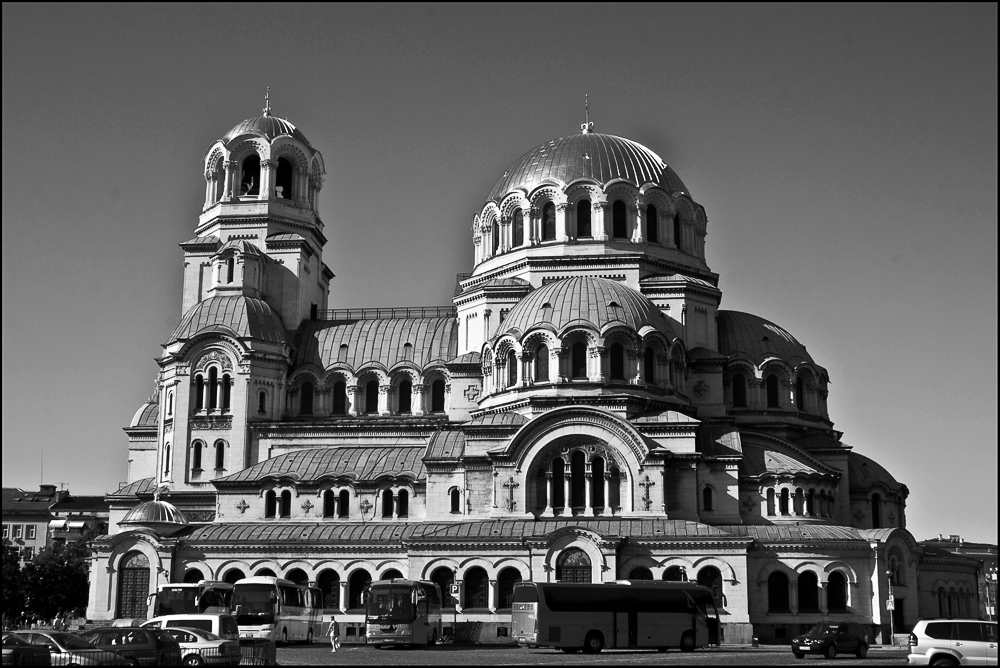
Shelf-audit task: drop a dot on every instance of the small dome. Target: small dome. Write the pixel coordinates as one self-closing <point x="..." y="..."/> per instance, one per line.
<point x="147" y="415"/>
<point x="267" y="126"/>
<point x="863" y="472"/>
<point x="244" y="317"/>
<point x="750" y="337"/>
<point x="587" y="155"/>
<point x="587" y="300"/>
<point x="159" y="516"/>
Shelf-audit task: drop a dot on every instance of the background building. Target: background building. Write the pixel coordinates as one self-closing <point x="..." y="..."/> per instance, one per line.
<point x="584" y="410"/>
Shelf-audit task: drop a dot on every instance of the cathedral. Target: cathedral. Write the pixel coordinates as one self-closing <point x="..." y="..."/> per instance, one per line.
<point x="584" y="410"/>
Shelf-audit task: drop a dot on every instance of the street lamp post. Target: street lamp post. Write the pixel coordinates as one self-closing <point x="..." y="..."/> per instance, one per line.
<point x="991" y="576"/>
<point x="890" y="608"/>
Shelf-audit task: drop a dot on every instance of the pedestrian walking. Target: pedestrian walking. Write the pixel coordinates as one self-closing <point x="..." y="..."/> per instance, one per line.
<point x="334" y="634"/>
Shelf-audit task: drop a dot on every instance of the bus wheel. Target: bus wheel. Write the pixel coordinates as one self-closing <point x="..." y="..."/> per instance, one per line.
<point x="687" y="641"/>
<point x="594" y="643"/>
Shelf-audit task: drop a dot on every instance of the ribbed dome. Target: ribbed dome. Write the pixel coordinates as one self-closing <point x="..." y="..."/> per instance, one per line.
<point x="155" y="514"/>
<point x="591" y="156"/>
<point x="267" y="126"/>
<point x="586" y="300"/>
<point x="242" y="316"/>
<point x="750" y="337"/>
<point x="147" y="415"/>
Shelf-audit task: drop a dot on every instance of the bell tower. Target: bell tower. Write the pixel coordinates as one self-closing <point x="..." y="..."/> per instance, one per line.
<point x="259" y="233"/>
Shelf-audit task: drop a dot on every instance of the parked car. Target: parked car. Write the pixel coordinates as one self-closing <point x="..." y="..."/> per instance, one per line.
<point x="953" y="642"/>
<point x="201" y="648"/>
<point x="66" y="649"/>
<point x="19" y="652"/>
<point x="222" y="625"/>
<point x="140" y="646"/>
<point x="831" y="639"/>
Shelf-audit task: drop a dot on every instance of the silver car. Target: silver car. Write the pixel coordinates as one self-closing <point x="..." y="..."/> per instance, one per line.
<point x="201" y="648"/>
<point x="953" y="642"/>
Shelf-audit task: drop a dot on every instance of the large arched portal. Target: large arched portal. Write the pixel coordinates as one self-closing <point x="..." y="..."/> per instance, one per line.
<point x="573" y="565"/>
<point x="133" y="585"/>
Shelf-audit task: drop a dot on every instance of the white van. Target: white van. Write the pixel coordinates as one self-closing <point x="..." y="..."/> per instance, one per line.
<point x="223" y="626"/>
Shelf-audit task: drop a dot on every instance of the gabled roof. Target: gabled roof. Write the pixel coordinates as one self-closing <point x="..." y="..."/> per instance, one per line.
<point x="133" y="489"/>
<point x="311" y="464"/>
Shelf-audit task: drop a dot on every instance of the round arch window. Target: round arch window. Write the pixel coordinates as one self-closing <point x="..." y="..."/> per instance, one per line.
<point x="573" y="565"/>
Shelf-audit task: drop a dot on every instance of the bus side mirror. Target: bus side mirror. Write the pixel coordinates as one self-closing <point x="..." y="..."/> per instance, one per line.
<point x="239" y="609"/>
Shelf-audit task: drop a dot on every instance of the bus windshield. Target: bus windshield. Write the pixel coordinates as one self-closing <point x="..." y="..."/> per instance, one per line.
<point x="390" y="604"/>
<point x="254" y="604"/>
<point x="176" y="601"/>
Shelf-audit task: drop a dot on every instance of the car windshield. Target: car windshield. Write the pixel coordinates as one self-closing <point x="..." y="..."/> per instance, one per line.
<point x="822" y="629"/>
<point x="9" y="640"/>
<point x="70" y="641"/>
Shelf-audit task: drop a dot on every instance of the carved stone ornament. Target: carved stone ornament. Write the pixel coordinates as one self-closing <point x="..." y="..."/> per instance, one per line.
<point x="307" y="506"/>
<point x="749" y="504"/>
<point x="242" y="506"/>
<point x="701" y="388"/>
<point x="646" y="483"/>
<point x="472" y="392"/>
<point x="214" y="356"/>
<point x="212" y="423"/>
<point x="510" y="485"/>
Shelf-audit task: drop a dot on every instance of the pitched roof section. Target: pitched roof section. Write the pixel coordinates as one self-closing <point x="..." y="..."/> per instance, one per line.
<point x="446" y="444"/>
<point x="143" y="486"/>
<point x="244" y="317"/>
<point x="750" y="337"/>
<point x="357" y="463"/>
<point x="793" y="533"/>
<point x="360" y="342"/>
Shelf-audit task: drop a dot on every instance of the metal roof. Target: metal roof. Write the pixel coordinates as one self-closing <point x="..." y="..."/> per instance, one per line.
<point x="359" y="342"/>
<point x="359" y="463"/>
<point x="266" y="126"/>
<point x="245" y="317"/>
<point x="446" y="444"/>
<point x="154" y="512"/>
<point x="792" y="532"/>
<point x="599" y="157"/>
<point x="148" y="415"/>
<point x="585" y="300"/>
<point x="750" y="337"/>
<point x="862" y="472"/>
<point x="141" y="486"/>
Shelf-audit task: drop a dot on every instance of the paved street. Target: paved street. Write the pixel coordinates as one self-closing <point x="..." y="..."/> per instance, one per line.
<point x="448" y="655"/>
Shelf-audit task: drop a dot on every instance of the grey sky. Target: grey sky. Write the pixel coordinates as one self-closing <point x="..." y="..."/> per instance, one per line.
<point x="846" y="156"/>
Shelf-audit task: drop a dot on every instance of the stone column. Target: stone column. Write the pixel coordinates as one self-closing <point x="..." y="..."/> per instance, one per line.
<point x="383" y="399"/>
<point x="548" y="512"/>
<point x="300" y="190"/>
<point x="588" y="499"/>
<point x="227" y="189"/>
<point x="493" y="596"/>
<point x="557" y="371"/>
<point x="597" y="356"/>
<point x="530" y="223"/>
<point x="395" y="506"/>
<point x="352" y="400"/>
<point x="567" y="499"/>
<point x="599" y="221"/>
<point x="343" y="596"/>
<point x="638" y="215"/>
<point x="608" y="509"/>
<point x="417" y="399"/>
<point x="267" y="168"/>
<point x="793" y="596"/>
<point x="561" y="222"/>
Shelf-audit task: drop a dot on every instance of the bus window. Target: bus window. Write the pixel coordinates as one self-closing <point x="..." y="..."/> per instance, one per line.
<point x="525" y="594"/>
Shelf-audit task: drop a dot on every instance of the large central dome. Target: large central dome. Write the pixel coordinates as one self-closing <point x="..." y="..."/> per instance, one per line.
<point x="587" y="155"/>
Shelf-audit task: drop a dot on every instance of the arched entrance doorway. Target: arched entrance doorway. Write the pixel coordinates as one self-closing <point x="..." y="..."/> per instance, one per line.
<point x="573" y="565"/>
<point x="133" y="585"/>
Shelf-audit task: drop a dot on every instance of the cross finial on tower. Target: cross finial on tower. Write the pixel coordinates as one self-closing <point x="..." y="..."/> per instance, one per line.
<point x="588" y="126"/>
<point x="267" y="101"/>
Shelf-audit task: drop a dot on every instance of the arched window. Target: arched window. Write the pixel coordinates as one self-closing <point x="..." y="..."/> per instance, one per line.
<point x="649" y="366"/>
<point x="342" y="352"/>
<point x="265" y="573"/>
<point x="405" y="396"/>
<point x="615" y="490"/>
<point x="617" y="361"/>
<point x="250" y="180"/>
<point x="597" y="490"/>
<point x="800" y="394"/>
<point x="836" y="589"/>
<point x="220" y="180"/>
<point x="329" y="503"/>
<point x="506" y="580"/>
<point x="558" y="477"/>
<point x="777" y="592"/>
<point x="675" y="574"/>
<point x="270" y="503"/>
<point x="329" y="583"/>
<point x="573" y="565"/>
<point x="619" y="220"/>
<point x="640" y="573"/>
<point x="230" y="269"/>
<point x="876" y="511"/>
<point x="286" y="504"/>
<point x="371" y="397"/>
<point x="356" y="585"/>
<point x="392" y="574"/>
<point x="199" y="392"/>
<point x="811" y="502"/>
<point x="233" y="575"/>
<point x="306" y="399"/>
<point x="196" y="455"/>
<point x="496" y="237"/>
<point x="262" y="401"/>
<point x="166" y="460"/>
<point x="783" y="502"/>
<point x="518" y="229"/>
<point x="652" y="224"/>
<point x="227" y="392"/>
<point x="133" y="585"/>
<point x="773" y="398"/>
<point x="798" y="502"/>
<point x="542" y="364"/>
<point x="583" y="210"/>
<point x="942" y="602"/>
<point x="706" y="499"/>
<point x="578" y="482"/>
<point x="456" y="500"/>
<point x="344" y="503"/>
<point x="297" y="575"/>
<point x="444" y="577"/>
<point x="403" y="503"/>
<point x="477" y="588"/>
<point x="677" y="231"/>
<point x="739" y="390"/>
<point x="770" y="502"/>
<point x="220" y="455"/>
<point x="437" y="396"/>
<point x="808" y="592"/>
<point x="170" y="404"/>
<point x="548" y="222"/>
<point x="711" y="577"/>
<point x="387" y="504"/>
<point x="283" y="180"/>
<point x="340" y="398"/>
<point x="578" y="360"/>
<point x="511" y="368"/>
<point x="213" y="388"/>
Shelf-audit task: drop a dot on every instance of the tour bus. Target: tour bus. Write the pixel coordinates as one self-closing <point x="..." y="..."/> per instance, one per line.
<point x="403" y="612"/>
<point x="191" y="598"/>
<point x="622" y="614"/>
<point x="278" y="609"/>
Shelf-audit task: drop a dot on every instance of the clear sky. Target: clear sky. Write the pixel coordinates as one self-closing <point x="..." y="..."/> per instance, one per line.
<point x="846" y="156"/>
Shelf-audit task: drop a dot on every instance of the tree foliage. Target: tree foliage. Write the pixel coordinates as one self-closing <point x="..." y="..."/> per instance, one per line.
<point x="56" y="581"/>
<point x="13" y="583"/>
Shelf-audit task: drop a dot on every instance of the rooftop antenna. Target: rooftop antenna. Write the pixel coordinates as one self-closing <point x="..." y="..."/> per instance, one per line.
<point x="588" y="126"/>
<point x="41" y="466"/>
<point x="267" y="101"/>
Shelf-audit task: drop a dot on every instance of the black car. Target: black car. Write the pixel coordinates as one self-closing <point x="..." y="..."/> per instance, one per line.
<point x="831" y="639"/>
<point x="140" y="646"/>
<point x="19" y="652"/>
